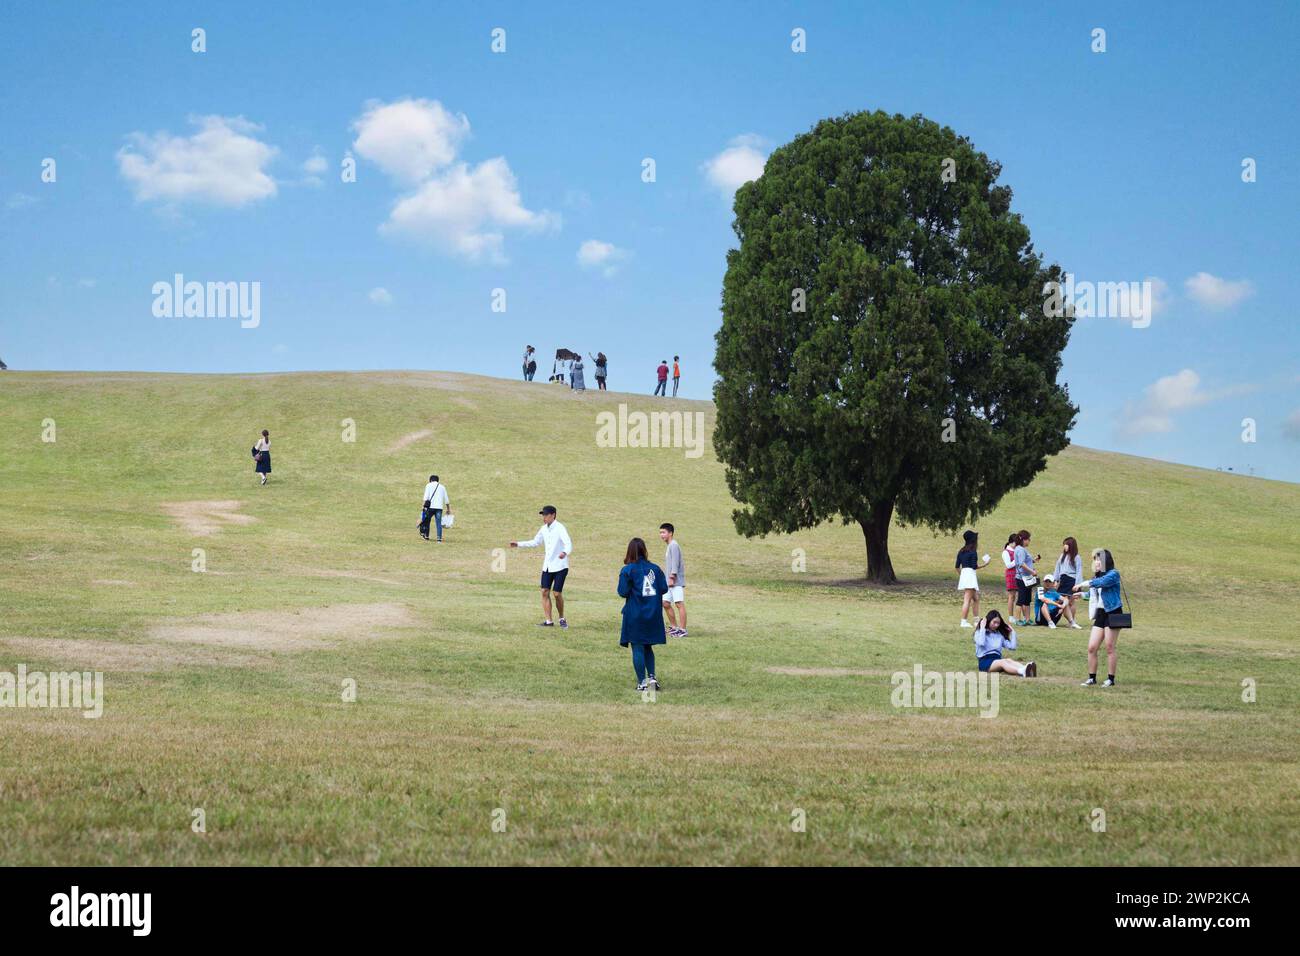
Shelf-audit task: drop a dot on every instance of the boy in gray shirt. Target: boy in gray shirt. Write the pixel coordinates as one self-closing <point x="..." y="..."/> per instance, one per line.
<point x="676" y="571"/>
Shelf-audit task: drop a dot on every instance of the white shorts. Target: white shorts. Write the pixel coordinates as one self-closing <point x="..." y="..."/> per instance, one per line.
<point x="967" y="580"/>
<point x="676" y="595"/>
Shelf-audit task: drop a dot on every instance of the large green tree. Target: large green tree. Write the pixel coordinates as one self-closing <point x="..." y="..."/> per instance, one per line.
<point x="884" y="349"/>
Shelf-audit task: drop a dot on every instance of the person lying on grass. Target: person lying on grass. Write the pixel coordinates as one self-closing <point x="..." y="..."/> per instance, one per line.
<point x="993" y="634"/>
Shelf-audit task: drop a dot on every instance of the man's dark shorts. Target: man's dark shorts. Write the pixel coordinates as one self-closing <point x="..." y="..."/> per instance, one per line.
<point x="554" y="580"/>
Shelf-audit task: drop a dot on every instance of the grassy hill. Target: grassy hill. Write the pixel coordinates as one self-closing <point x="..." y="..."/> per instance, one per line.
<point x="223" y="689"/>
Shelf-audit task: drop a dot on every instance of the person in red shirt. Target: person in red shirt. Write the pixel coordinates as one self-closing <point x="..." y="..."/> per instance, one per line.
<point x="662" y="387"/>
<point x="677" y="374"/>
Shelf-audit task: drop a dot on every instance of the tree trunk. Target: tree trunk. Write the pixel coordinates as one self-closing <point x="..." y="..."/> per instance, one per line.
<point x="875" y="527"/>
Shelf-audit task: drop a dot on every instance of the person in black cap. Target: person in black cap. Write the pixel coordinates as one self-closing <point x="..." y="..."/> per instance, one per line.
<point x="554" y="537"/>
<point x="967" y="563"/>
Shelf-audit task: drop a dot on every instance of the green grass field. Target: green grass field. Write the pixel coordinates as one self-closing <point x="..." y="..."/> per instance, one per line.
<point x="223" y="690"/>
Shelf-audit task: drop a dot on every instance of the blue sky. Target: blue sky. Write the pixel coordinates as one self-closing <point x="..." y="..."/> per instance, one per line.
<point x="479" y="170"/>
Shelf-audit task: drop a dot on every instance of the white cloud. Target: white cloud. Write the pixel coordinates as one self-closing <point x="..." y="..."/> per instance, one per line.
<point x="736" y="165"/>
<point x="86" y="283"/>
<point x="595" y="254"/>
<point x="222" y="163"/>
<point x="1291" y="427"/>
<point x="1215" y="293"/>
<point x="409" y="139"/>
<point x="1154" y="412"/>
<point x="459" y="208"/>
<point x="464" y="209"/>
<point x="381" y="296"/>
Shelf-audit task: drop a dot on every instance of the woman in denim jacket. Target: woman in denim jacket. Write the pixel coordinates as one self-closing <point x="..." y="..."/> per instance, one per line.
<point x="1107" y="584"/>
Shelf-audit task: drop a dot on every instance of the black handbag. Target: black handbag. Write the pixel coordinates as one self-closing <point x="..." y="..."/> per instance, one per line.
<point x="1120" y="620"/>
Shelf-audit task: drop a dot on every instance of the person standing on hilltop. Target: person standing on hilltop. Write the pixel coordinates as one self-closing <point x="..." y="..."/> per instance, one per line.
<point x="577" y="379"/>
<point x="530" y="366"/>
<point x="677" y="374"/>
<point x="262" y="455"/>
<point x="662" y="371"/>
<point x="602" y="368"/>
<point x="554" y="537"/>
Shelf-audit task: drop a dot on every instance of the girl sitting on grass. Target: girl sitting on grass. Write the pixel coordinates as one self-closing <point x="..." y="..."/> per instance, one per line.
<point x="993" y="634"/>
<point x="1050" y="604"/>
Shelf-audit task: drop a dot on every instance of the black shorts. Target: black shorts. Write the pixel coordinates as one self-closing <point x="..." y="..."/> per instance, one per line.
<point x="1102" y="616"/>
<point x="1024" y="594"/>
<point x="554" y="580"/>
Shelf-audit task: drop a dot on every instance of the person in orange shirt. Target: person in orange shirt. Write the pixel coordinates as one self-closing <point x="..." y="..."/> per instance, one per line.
<point x="677" y="374"/>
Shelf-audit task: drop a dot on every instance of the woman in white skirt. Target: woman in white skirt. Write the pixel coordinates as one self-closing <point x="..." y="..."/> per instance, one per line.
<point x="967" y="583"/>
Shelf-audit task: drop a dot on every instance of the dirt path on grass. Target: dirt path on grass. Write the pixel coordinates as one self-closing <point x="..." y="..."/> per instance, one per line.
<point x="206" y="517"/>
<point x="409" y="439"/>
<point x="308" y="628"/>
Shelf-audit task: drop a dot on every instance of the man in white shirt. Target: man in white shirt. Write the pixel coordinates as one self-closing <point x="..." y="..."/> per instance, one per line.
<point x="554" y="538"/>
<point x="435" y="501"/>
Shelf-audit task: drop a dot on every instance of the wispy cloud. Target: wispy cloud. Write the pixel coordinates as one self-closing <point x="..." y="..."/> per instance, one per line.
<point x="380" y="296"/>
<point x="1167" y="397"/>
<point x="1215" y="293"/>
<point x="313" y="169"/>
<point x="605" y="256"/>
<point x="1291" y="427"/>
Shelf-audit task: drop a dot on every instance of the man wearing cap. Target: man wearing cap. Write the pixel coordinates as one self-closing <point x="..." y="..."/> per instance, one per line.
<point x="554" y="537"/>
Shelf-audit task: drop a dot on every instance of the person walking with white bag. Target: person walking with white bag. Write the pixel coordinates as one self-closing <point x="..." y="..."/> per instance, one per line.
<point x="435" y="503"/>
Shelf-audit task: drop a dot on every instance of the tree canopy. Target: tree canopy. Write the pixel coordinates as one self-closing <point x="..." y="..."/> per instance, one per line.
<point x="884" y="349"/>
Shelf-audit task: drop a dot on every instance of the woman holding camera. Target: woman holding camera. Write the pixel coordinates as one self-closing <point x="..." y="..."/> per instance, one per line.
<point x="1107" y="584"/>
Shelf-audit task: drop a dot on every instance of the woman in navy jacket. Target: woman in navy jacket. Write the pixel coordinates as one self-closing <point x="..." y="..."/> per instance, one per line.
<point x="642" y="586"/>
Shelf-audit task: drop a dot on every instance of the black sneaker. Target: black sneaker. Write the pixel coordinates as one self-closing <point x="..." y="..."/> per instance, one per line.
<point x="564" y="624"/>
<point x="1031" y="669"/>
<point x="641" y="687"/>
<point x="654" y="681"/>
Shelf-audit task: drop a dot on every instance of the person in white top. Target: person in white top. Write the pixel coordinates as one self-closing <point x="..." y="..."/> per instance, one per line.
<point x="1009" y="562"/>
<point x="435" y="502"/>
<point x="554" y="537"/>
<point x="262" y="455"/>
